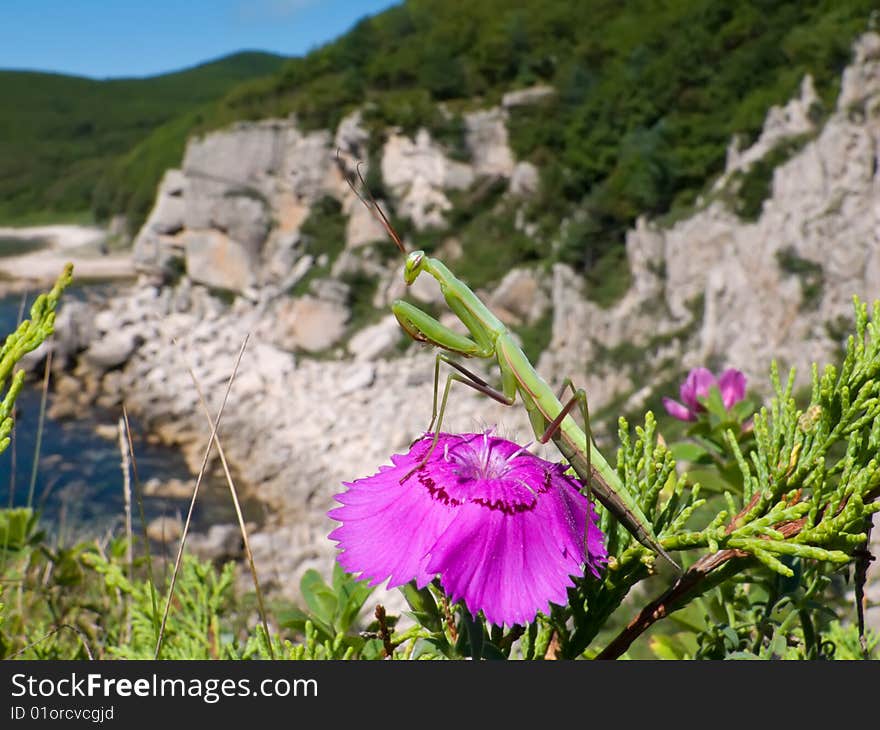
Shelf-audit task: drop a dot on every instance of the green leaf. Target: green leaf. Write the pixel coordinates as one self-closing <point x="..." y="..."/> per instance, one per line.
<point x="673" y="646"/>
<point x="688" y="451"/>
<point x="351" y="595"/>
<point x="424" y="648"/>
<point x="319" y="597"/>
<point x="68" y="569"/>
<point x="293" y="618"/>
<point x="777" y="648"/>
<point x="424" y="607"/>
<point x="16" y="527"/>
<point x="715" y="404"/>
<point x="372" y="649"/>
<point x="742" y="410"/>
<point x="692" y="617"/>
<point x="740" y="655"/>
<point x="709" y="479"/>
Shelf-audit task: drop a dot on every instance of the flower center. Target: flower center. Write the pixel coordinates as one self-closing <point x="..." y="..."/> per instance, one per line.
<point x="477" y="460"/>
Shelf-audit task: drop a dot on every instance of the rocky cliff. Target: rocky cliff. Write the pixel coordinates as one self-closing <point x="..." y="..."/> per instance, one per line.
<point x="745" y="292"/>
<point x="324" y="396"/>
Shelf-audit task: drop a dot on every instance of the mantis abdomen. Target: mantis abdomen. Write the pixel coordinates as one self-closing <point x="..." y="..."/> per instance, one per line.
<point x="591" y="467"/>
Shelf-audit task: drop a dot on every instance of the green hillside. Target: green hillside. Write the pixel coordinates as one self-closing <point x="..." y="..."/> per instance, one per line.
<point x="59" y="134"/>
<point x="649" y="95"/>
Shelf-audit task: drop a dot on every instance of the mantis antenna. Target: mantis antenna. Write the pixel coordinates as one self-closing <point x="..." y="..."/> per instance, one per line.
<point x="371" y="204"/>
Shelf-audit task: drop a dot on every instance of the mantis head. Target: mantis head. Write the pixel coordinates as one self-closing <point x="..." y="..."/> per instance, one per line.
<point x="415" y="262"/>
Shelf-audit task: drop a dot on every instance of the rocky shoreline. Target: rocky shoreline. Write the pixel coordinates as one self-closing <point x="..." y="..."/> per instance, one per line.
<point x="85" y="247"/>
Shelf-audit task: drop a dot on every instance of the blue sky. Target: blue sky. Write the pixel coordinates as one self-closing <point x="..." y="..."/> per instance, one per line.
<point x="111" y="38"/>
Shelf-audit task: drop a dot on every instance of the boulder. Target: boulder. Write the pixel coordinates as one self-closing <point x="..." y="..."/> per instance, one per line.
<point x="74" y="330"/>
<point x="216" y="260"/>
<point x="486" y="136"/>
<point x="310" y="323"/>
<point x="520" y="294"/>
<point x="362" y="228"/>
<point x="240" y="155"/>
<point x="240" y="211"/>
<point x="168" y="214"/>
<point x="376" y="340"/>
<point x="525" y="180"/>
<point x="418" y="171"/>
<point x="172" y="488"/>
<point x="113" y="349"/>
<point x="352" y="138"/>
<point x="154" y="251"/>
<point x="308" y="164"/>
<point x="220" y="543"/>
<point x="165" y="529"/>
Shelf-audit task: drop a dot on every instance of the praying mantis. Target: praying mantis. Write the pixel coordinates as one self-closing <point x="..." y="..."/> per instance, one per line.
<point x="490" y="339"/>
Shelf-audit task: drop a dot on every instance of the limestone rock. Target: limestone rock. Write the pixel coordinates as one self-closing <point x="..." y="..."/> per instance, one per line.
<point x="525" y="97"/>
<point x="308" y="166"/>
<point x="782" y="123"/>
<point x="520" y="294"/>
<point x="376" y="340"/>
<point x="351" y="137"/>
<point x="358" y="377"/>
<point x="165" y="529"/>
<point x="113" y="349"/>
<point x="220" y="543"/>
<point x="525" y="179"/>
<point x="418" y="172"/>
<point x="311" y="324"/>
<point x="35" y="359"/>
<point x="216" y="260"/>
<point x="862" y="78"/>
<point x="270" y="360"/>
<point x="486" y="136"/>
<point x="74" y="330"/>
<point x="154" y="249"/>
<point x="362" y="227"/>
<point x="237" y="156"/>
<point x="239" y="211"/>
<point x="167" y="215"/>
<point x="173" y="488"/>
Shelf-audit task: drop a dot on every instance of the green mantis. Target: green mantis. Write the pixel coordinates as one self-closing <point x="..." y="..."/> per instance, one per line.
<point x="549" y="417"/>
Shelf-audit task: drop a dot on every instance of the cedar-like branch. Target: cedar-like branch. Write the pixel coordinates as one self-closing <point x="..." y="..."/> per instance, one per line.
<point x="697" y="579"/>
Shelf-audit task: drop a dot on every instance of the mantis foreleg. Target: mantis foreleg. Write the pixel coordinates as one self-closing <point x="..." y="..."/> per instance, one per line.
<point x="466" y="377"/>
<point x="472" y="379"/>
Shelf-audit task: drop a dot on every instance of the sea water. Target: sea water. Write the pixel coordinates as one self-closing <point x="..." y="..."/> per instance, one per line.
<point x="78" y="484"/>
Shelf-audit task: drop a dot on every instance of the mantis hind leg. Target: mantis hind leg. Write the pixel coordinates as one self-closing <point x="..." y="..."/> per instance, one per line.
<point x="578" y="398"/>
<point x="465" y="376"/>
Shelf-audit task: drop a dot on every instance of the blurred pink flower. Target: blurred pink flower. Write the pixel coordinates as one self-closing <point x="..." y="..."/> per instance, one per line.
<point x="699" y="381"/>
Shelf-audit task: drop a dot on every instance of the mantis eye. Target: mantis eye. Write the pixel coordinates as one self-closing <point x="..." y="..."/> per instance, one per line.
<point x="413" y="266"/>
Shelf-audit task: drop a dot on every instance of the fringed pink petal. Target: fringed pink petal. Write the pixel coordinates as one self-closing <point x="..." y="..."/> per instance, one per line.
<point x="510" y="559"/>
<point x="388" y="527"/>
